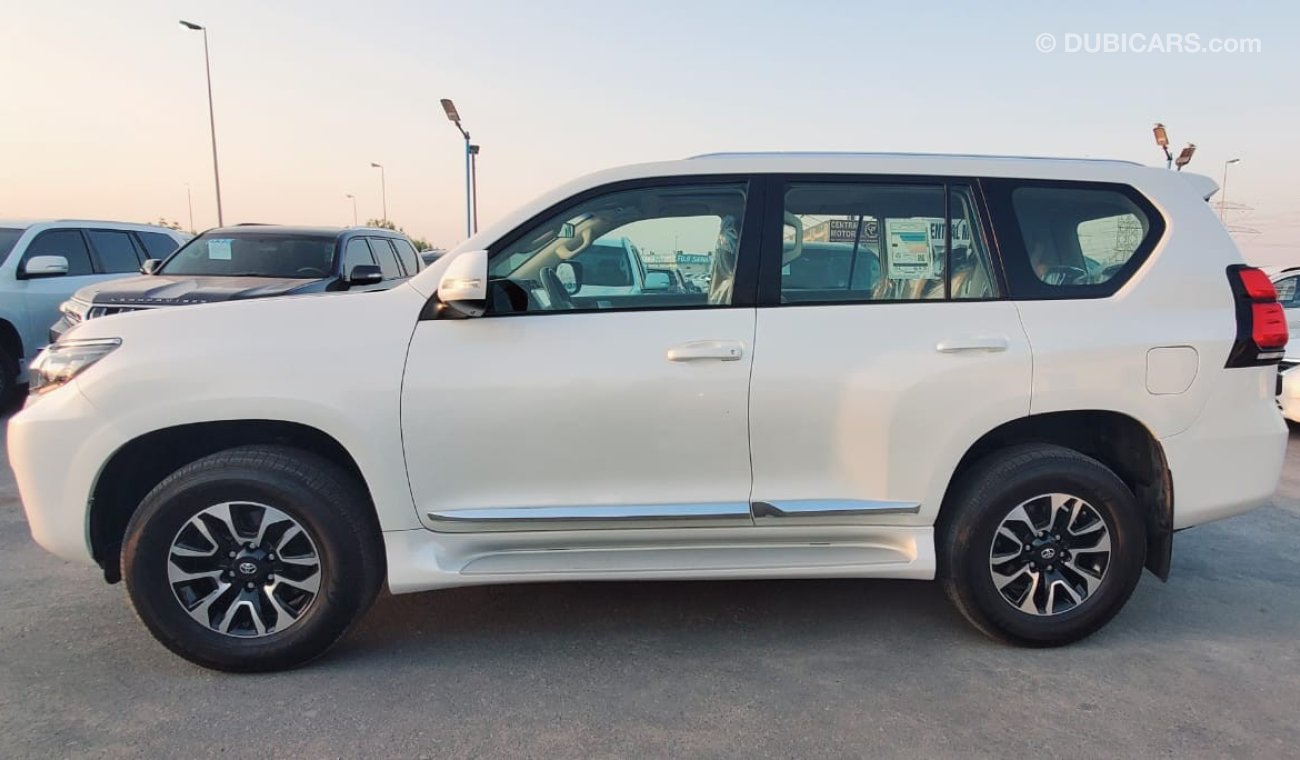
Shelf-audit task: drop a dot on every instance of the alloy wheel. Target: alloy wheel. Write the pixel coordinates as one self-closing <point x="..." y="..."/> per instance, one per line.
<point x="1050" y="554"/>
<point x="244" y="569"/>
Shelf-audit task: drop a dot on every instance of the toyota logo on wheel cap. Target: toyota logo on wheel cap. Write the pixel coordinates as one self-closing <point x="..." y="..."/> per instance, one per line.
<point x="248" y="568"/>
<point x="1046" y="553"/>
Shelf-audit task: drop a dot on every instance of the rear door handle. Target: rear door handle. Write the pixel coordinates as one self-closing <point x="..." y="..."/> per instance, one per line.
<point x="719" y="350"/>
<point x="989" y="343"/>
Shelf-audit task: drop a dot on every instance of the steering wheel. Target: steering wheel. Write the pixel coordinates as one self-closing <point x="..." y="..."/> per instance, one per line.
<point x="1061" y="274"/>
<point x="311" y="271"/>
<point x="555" y="292"/>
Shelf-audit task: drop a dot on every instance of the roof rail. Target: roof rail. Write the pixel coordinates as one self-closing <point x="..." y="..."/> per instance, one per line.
<point x="871" y="154"/>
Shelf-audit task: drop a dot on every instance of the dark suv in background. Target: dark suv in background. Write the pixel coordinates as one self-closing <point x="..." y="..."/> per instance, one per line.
<point x="252" y="261"/>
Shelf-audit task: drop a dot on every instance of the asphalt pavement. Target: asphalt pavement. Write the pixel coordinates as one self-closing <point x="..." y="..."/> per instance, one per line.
<point x="1206" y="665"/>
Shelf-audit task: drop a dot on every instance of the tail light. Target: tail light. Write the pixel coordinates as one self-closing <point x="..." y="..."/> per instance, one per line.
<point x="1261" y="322"/>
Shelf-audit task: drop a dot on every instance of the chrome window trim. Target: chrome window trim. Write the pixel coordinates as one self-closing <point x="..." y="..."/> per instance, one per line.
<point x="501" y="519"/>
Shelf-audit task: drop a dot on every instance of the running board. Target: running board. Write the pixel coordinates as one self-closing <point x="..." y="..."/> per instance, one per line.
<point x="420" y="560"/>
<point x="710" y="515"/>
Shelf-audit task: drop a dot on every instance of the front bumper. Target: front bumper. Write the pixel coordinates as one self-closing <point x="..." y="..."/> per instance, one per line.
<point x="57" y="445"/>
<point x="58" y="329"/>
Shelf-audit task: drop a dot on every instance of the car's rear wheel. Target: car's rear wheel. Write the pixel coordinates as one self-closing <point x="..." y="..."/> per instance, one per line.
<point x="254" y="558"/>
<point x="1041" y="545"/>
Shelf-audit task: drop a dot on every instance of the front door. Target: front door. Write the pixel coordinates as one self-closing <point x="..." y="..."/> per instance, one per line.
<point x="560" y="409"/>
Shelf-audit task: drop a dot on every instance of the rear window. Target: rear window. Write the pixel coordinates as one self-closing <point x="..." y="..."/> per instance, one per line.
<point x="406" y="251"/>
<point x="157" y="245"/>
<point x="115" y="250"/>
<point x="1079" y="237"/>
<point x="255" y="254"/>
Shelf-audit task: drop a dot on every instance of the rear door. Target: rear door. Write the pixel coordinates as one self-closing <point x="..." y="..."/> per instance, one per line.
<point x="886" y="348"/>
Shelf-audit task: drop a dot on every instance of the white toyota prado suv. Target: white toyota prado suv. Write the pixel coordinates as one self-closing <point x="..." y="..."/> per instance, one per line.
<point x="1018" y="376"/>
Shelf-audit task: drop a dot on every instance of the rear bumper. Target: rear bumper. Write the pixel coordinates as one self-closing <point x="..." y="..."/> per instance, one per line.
<point x="1229" y="461"/>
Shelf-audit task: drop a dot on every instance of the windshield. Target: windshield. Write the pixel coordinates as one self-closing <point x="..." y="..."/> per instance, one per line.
<point x="254" y="254"/>
<point x="8" y="237"/>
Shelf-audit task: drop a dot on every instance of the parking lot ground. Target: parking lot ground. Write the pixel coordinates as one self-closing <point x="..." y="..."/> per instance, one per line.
<point x="1207" y="665"/>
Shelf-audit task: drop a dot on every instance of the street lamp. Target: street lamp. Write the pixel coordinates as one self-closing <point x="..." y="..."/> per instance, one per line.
<point x="1223" y="192"/>
<point x="354" y="208"/>
<point x="473" y="173"/>
<point x="1162" y="139"/>
<point x="383" y="188"/>
<point x="1185" y="157"/>
<point x="471" y="192"/>
<point x="212" y="119"/>
<point x="189" y="202"/>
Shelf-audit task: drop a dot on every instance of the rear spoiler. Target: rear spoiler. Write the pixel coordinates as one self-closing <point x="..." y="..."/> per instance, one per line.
<point x="1204" y="186"/>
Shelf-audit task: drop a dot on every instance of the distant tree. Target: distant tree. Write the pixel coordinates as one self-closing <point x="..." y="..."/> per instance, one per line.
<point x="162" y="222"/>
<point x="384" y="224"/>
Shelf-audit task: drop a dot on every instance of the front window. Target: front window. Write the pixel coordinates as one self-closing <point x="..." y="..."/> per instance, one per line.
<point x="651" y="248"/>
<point x="254" y="253"/>
<point x="8" y="237"/>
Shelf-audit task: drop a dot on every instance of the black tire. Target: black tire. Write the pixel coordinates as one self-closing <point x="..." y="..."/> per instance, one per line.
<point x="988" y="493"/>
<point x="329" y="505"/>
<point x="9" y="388"/>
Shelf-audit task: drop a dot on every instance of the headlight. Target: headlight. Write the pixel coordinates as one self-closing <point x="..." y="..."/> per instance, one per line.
<point x="75" y="311"/>
<point x="62" y="361"/>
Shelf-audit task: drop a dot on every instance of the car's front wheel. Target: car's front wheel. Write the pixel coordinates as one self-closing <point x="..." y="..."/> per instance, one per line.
<point x="254" y="558"/>
<point x="1041" y="545"/>
<point x="9" y="389"/>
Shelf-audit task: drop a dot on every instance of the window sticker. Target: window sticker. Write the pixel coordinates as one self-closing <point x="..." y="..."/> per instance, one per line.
<point x="911" y="256"/>
<point x="219" y="249"/>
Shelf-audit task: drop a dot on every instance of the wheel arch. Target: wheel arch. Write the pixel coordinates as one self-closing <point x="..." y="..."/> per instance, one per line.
<point x="1115" y="439"/>
<point x="10" y="339"/>
<point x="143" y="462"/>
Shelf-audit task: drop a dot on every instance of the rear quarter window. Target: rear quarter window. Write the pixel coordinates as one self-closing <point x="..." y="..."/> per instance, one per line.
<point x="1071" y="239"/>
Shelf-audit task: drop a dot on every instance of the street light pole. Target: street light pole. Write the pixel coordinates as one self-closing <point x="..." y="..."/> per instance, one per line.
<point x="383" y="188"/>
<point x="471" y="210"/>
<point x="1223" y="192"/>
<point x="212" y="119"/>
<point x="354" y="208"/>
<point x="189" y="201"/>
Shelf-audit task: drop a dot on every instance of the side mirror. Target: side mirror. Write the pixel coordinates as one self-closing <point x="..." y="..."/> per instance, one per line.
<point x="45" y="266"/>
<point x="658" y="281"/>
<point x="570" y="275"/>
<point x="463" y="287"/>
<point x="150" y="266"/>
<point x="364" y="274"/>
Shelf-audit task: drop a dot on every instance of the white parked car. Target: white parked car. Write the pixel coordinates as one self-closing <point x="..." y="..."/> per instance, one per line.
<point x="44" y="262"/>
<point x="1026" y="411"/>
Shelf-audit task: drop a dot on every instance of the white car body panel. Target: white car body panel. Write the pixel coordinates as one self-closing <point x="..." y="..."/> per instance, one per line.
<point x="854" y="413"/>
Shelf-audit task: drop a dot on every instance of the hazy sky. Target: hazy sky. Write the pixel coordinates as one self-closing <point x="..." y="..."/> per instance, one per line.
<point x="104" y="112"/>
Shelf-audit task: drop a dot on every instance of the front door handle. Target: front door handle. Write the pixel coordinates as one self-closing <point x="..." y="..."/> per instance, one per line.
<point x="719" y="350"/>
<point x="988" y="343"/>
